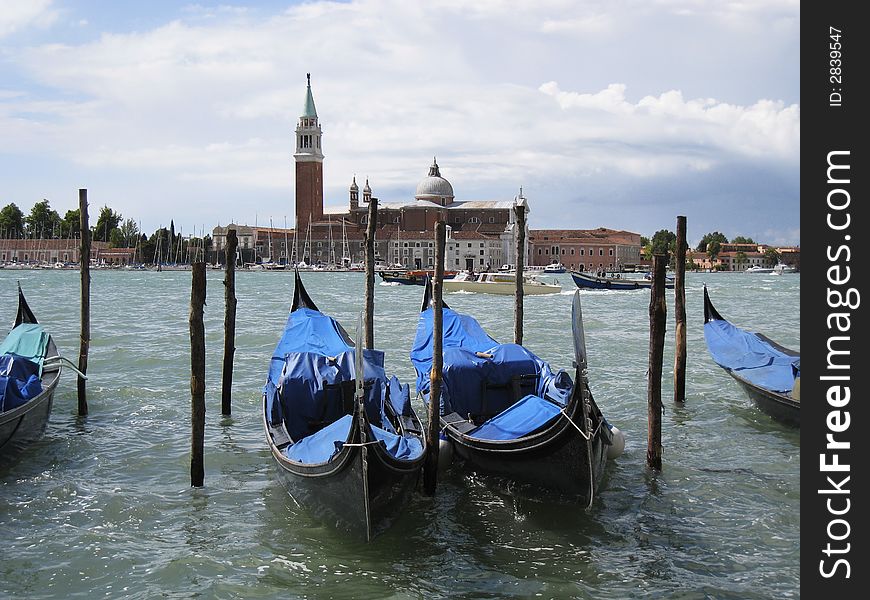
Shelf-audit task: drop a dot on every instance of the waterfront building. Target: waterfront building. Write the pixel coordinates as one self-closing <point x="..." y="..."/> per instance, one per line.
<point x="585" y="249"/>
<point x="46" y="251"/>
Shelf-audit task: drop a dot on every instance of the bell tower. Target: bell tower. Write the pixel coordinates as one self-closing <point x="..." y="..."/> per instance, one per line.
<point x="309" y="164"/>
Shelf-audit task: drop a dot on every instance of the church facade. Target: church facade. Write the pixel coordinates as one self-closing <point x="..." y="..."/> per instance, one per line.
<point x="481" y="233"/>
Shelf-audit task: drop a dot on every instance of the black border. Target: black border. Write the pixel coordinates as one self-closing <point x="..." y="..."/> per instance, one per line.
<point x="827" y="128"/>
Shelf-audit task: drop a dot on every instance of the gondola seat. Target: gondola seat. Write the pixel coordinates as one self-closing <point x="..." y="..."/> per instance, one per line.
<point x="530" y="414"/>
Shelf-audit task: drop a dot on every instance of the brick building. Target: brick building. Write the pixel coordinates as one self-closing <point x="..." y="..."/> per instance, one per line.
<point x="585" y="249"/>
<point x="46" y="252"/>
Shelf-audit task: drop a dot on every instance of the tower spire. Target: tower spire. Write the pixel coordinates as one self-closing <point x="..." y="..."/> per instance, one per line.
<point x="309" y="163"/>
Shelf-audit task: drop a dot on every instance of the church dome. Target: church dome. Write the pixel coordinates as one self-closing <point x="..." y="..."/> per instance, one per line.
<point x="434" y="187"/>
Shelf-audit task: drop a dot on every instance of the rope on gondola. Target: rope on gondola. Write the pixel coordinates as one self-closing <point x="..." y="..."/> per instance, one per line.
<point x="357" y="445"/>
<point x="577" y="427"/>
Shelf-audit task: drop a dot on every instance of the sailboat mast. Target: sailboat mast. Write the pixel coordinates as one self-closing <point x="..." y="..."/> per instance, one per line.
<point x="286" y="247"/>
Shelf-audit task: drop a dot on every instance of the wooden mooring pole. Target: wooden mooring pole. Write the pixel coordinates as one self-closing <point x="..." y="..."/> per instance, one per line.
<point x="520" y="210"/>
<point x="370" y="274"/>
<point x="657" y="314"/>
<point x="85" y="264"/>
<point x="680" y="313"/>
<point x="433" y="423"/>
<point x="197" y="376"/>
<point x="229" y="323"/>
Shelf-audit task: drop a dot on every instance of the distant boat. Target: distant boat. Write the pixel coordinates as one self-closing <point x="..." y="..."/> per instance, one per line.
<point x="31" y="368"/>
<point x="498" y="283"/>
<point x="781" y="268"/>
<point x="589" y="281"/>
<point x="759" y="269"/>
<point x="768" y="372"/>
<point x="555" y="267"/>
<point x="411" y="277"/>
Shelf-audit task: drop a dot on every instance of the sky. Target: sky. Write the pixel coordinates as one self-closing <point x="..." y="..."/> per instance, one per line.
<point x="618" y="113"/>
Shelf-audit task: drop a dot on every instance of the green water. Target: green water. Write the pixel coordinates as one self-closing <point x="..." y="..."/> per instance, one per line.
<point x="102" y="507"/>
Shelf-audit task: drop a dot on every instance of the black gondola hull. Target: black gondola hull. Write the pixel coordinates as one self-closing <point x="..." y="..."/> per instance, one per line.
<point x="360" y="490"/>
<point x="558" y="458"/>
<point x="778" y="406"/>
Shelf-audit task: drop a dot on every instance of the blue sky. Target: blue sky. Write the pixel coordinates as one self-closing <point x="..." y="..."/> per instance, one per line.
<point x="619" y="114"/>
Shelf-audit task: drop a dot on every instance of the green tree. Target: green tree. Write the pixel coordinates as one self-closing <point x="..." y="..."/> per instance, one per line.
<point x="713" y="249"/>
<point x="129" y="233"/>
<point x="740" y="259"/>
<point x="742" y="240"/>
<point x="71" y="225"/>
<point x="11" y="221"/>
<point x="663" y="241"/>
<point x="711" y="237"/>
<point x="42" y="222"/>
<point x="107" y="221"/>
<point x="771" y="257"/>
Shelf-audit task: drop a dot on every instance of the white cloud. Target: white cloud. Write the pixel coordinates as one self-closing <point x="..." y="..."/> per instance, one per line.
<point x="16" y="15"/>
<point x="212" y="97"/>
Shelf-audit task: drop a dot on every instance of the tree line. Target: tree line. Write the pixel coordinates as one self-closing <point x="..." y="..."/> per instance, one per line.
<point x="665" y="241"/>
<point x="43" y="222"/>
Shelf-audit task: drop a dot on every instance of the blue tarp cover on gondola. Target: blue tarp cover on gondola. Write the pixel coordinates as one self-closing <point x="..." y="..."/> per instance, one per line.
<point x="751" y="357"/>
<point x="308" y="331"/>
<point x="19" y="381"/>
<point x="481" y="385"/>
<point x="310" y="392"/>
<point x="528" y="415"/>
<point x="323" y="445"/>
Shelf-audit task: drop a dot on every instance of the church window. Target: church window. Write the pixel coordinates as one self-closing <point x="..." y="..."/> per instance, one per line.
<point x="474" y="220"/>
<point x="492" y="219"/>
<point x="611" y="252"/>
<point x="456" y="220"/>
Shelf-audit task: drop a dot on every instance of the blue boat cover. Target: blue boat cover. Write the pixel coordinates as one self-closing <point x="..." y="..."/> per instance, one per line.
<point x="750" y="356"/>
<point x="528" y="415"/>
<point x="326" y="443"/>
<point x="310" y="389"/>
<point x="481" y="385"/>
<point x="321" y="446"/>
<point x="29" y="340"/>
<point x="19" y="381"/>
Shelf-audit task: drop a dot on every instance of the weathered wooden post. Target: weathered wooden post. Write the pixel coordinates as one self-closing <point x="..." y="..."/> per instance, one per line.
<point x="680" y="313"/>
<point x="657" y="314"/>
<point x="229" y="323"/>
<point x="370" y="273"/>
<point x="520" y="210"/>
<point x="433" y="423"/>
<point x="197" y="376"/>
<point x="85" y="336"/>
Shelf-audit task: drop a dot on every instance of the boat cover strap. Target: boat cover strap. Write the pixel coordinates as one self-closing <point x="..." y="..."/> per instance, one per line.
<point x="523" y="418"/>
<point x="751" y="357"/>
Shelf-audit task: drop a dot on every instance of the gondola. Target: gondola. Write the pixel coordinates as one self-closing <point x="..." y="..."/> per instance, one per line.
<point x="504" y="411"/>
<point x="347" y="452"/>
<point x="589" y="281"/>
<point x="29" y="372"/>
<point x="768" y="372"/>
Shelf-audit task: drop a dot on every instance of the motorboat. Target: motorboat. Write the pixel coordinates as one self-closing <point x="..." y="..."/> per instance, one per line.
<point x="498" y="283"/>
